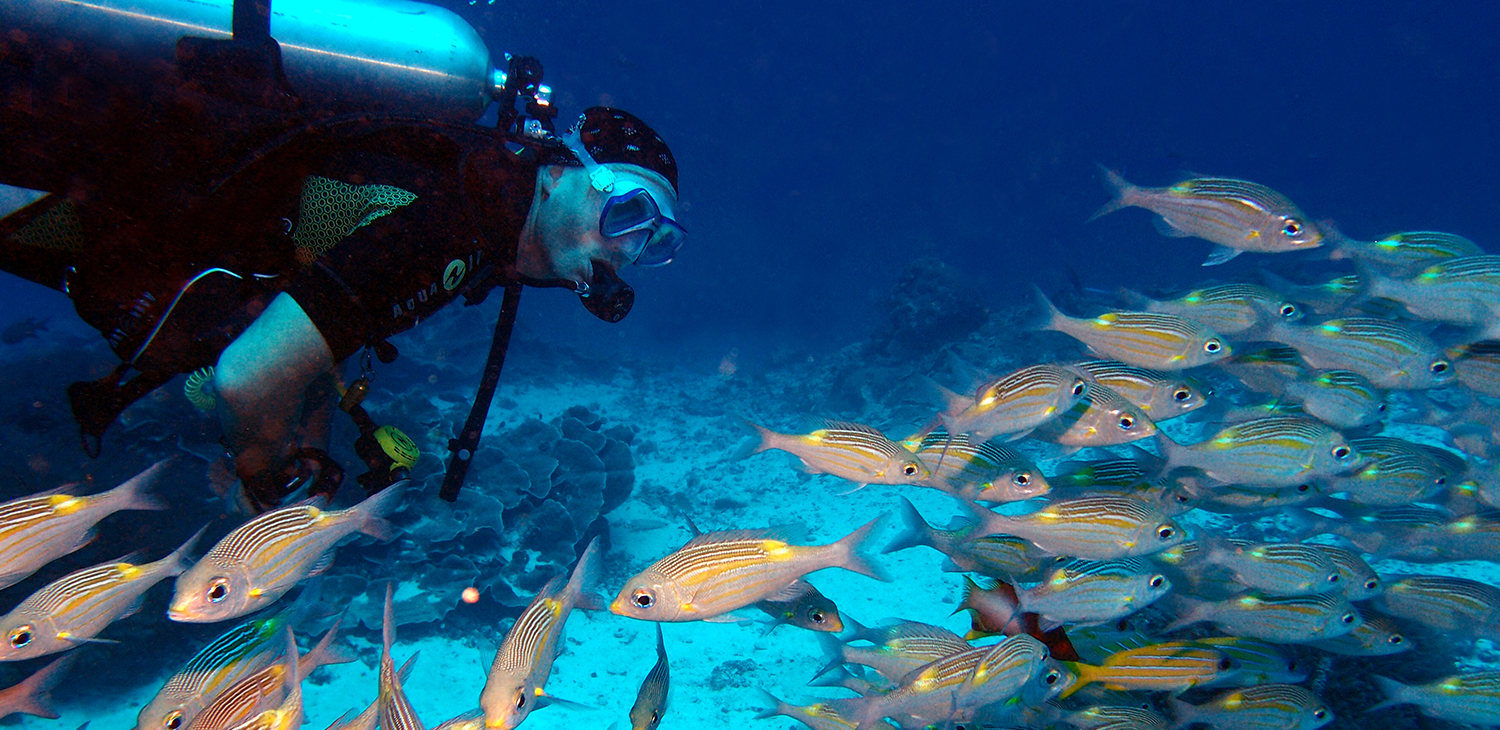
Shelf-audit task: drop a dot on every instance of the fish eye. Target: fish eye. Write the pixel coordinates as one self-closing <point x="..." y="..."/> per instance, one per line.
<point x="1380" y="408"/>
<point x="1288" y="310"/>
<point x="1157" y="581"/>
<point x="1166" y="532"/>
<point x="1395" y="639"/>
<point x="1440" y="481"/>
<point x="521" y="700"/>
<point x="218" y="590"/>
<point x="1320" y="713"/>
<point x="1212" y="346"/>
<point x="1225" y="665"/>
<point x="1126" y="423"/>
<point x="1347" y="618"/>
<point x="1303" y="487"/>
<point x="1371" y="584"/>
<point x="1439" y="366"/>
<point x="174" y="720"/>
<point x="1053" y="676"/>
<point x="1291" y="666"/>
<point x="1079" y="388"/>
<point x="909" y="470"/>
<point x="1022" y="479"/>
<point x="1341" y="452"/>
<point x="1181" y="394"/>
<point x="1292" y="227"/>
<point x="817" y="616"/>
<point x="655" y="717"/>
<point x="643" y="599"/>
<point x="21" y="635"/>
<point x="1333" y="577"/>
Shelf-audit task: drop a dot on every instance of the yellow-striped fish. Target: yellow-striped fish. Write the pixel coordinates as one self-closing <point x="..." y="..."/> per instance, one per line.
<point x="39" y="529"/>
<point x="370" y="717"/>
<point x="818" y="715"/>
<point x="395" y="710"/>
<point x="1170" y="667"/>
<point x="518" y="676"/>
<point x="1015" y="403"/>
<point x="1265" y="707"/>
<point x="1405" y="252"/>
<point x="1391" y="355"/>
<point x="1377" y="636"/>
<point x="850" y="451"/>
<point x="718" y="572"/>
<point x="261" y="560"/>
<point x="1093" y="528"/>
<point x="1265" y="370"/>
<point x="1102" y="418"/>
<point x="651" y="701"/>
<point x="1472" y="699"/>
<point x="1236" y="215"/>
<point x="895" y="651"/>
<point x="1284" y="620"/>
<point x="74" y="608"/>
<point x="1228" y="309"/>
<point x="1232" y="499"/>
<point x="1396" y="473"/>
<point x="1143" y="339"/>
<point x="33" y="695"/>
<point x="288" y="714"/>
<point x="1115" y="717"/>
<point x="1084" y="593"/>
<point x="1357" y="580"/>
<point x="268" y="688"/>
<point x="1160" y="395"/>
<point x="1255" y="662"/>
<point x="984" y="472"/>
<point x="238" y="653"/>
<point x="1445" y="603"/>
<point x="1462" y="291"/>
<point x="1266" y="452"/>
<point x="1279" y="569"/>
<point x="1478" y="366"/>
<point x="1340" y="398"/>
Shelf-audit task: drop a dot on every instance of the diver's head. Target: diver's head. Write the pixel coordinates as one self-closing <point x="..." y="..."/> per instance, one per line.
<point x="608" y="199"/>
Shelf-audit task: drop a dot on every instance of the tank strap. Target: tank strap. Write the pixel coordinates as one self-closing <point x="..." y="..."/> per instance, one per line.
<point x="463" y="447"/>
<point x="252" y="20"/>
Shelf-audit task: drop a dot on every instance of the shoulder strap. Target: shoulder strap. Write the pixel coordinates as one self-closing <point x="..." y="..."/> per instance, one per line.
<point x="462" y="448"/>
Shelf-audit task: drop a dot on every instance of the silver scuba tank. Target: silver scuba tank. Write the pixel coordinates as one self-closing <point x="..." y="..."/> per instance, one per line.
<point x="383" y="56"/>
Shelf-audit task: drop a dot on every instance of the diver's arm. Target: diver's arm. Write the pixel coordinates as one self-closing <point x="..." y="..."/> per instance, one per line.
<point x="260" y="380"/>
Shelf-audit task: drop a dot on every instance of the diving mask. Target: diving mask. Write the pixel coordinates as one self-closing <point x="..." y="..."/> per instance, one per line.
<point x="633" y="218"/>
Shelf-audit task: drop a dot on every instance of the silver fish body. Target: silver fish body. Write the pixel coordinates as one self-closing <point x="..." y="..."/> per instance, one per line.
<point x="984" y="472"/>
<point x="651" y="701"/>
<point x="1376" y="636"/>
<point x="1465" y="698"/>
<point x="259" y="561"/>
<point x="518" y="675"/>
<point x="1340" y="398"/>
<point x="1406" y="252"/>
<point x="1448" y="604"/>
<point x="1283" y="620"/>
<point x="1266" y="452"/>
<point x="1144" y="339"/>
<point x="394" y="709"/>
<point x="1160" y="395"/>
<point x="1228" y="309"/>
<point x="1093" y="593"/>
<point x="1094" y="528"/>
<point x="1462" y="291"/>
<point x="850" y="451"/>
<point x="1102" y="418"/>
<point x="1278" y="569"/>
<point x="1389" y="354"/>
<point x="1478" y="366"/>
<point x="1264" y="707"/>
<point x="1237" y="215"/>
<point x="1017" y="402"/>
<point x="235" y="655"/>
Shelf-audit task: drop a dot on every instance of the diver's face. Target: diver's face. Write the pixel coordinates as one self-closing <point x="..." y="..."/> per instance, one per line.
<point x="565" y="239"/>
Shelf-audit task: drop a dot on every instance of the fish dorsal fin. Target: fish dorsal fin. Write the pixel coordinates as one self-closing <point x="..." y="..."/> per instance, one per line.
<point x="1220" y="254"/>
<point x="726" y="536"/>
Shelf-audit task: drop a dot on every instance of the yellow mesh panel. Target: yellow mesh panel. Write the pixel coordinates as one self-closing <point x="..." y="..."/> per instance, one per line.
<point x="57" y="229"/>
<point x="332" y="210"/>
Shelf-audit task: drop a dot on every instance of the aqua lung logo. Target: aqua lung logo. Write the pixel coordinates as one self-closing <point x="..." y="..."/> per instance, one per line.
<point x="454" y="274"/>
<point x="453" y="277"/>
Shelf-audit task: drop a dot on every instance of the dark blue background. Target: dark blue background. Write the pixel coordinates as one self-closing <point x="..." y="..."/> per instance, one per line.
<point x="824" y="145"/>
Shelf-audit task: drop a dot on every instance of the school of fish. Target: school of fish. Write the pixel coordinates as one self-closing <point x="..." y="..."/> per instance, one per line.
<point x="1254" y="450"/>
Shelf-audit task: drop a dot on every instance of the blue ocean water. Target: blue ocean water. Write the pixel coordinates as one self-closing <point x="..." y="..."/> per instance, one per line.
<point x="824" y="148"/>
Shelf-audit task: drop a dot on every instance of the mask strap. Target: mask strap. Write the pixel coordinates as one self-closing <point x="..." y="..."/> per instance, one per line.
<point x="602" y="178"/>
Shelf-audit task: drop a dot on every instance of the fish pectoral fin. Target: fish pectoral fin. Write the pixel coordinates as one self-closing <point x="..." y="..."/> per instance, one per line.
<point x="1165" y="228"/>
<point x="856" y="488"/>
<point x="1221" y="254"/>
<point x="728" y="618"/>
<point x="544" y="700"/>
<point x="324" y="563"/>
<point x="85" y="640"/>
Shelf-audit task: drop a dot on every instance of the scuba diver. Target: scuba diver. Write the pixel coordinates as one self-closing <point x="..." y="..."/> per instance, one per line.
<point x="254" y="196"/>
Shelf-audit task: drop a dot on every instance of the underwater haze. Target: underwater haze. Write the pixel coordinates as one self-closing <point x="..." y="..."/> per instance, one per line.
<point x="1038" y="470"/>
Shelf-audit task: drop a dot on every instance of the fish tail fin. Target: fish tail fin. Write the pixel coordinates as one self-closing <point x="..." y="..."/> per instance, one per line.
<point x="1337" y="245"/>
<point x="178" y="562"/>
<point x="134" y="494"/>
<point x="953" y="403"/>
<point x="1395" y="693"/>
<point x="1135" y="300"/>
<point x="915" y="530"/>
<point x="325" y="652"/>
<point x="773" y="706"/>
<point x="1049" y="316"/>
<point x="1189" y="611"/>
<point x="33" y="696"/>
<point x="1173" y="454"/>
<point x="852" y="556"/>
<point x="1084" y="673"/>
<point x="834" y="647"/>
<point x="585" y="579"/>
<point x="373" y="509"/>
<point x="761" y="439"/>
<point x="1122" y="190"/>
<point x="1183" y="713"/>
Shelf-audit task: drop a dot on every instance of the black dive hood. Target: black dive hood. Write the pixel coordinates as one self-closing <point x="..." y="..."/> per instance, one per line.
<point x="604" y="294"/>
